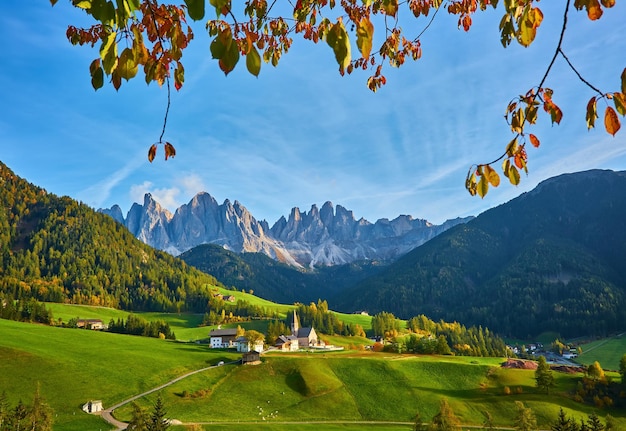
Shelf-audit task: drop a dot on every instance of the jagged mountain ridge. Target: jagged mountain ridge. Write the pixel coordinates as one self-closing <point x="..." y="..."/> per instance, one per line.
<point x="326" y="236"/>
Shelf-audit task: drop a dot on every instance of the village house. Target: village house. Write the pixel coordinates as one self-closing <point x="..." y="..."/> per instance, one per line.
<point x="223" y="338"/>
<point x="287" y="343"/>
<point x="95" y="324"/>
<point x="243" y="345"/>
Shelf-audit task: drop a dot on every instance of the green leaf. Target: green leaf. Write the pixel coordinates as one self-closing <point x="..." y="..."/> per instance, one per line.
<point x="196" y="9"/>
<point x="97" y="74"/>
<point x="620" y="102"/>
<point x="82" y="4"/>
<point x="513" y="175"/>
<point x="337" y="39"/>
<point x="230" y="58"/>
<point x="219" y="5"/>
<point x="103" y="11"/>
<point x="108" y="53"/>
<point x="127" y="67"/>
<point x="364" y="36"/>
<point x="217" y="48"/>
<point x="253" y="61"/>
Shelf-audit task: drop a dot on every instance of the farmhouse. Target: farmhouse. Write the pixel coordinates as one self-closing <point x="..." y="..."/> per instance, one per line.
<point x="223" y="338"/>
<point x="95" y="324"/>
<point x="243" y="345"/>
<point x="287" y="343"/>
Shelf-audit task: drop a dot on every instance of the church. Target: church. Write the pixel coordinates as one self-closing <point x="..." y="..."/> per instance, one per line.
<point x="300" y="338"/>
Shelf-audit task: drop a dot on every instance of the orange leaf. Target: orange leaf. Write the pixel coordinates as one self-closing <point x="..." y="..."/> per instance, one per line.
<point x="611" y="122"/>
<point x="608" y="3"/>
<point x="533" y="140"/>
<point x="170" y="151"/>
<point x="152" y="152"/>
<point x="594" y="10"/>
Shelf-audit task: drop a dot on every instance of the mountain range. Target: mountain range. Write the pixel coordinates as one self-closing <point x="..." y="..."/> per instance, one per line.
<point x="320" y="237"/>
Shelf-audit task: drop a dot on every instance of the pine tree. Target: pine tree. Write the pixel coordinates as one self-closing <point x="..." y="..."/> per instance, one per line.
<point x="525" y="419"/>
<point x="563" y="423"/>
<point x="445" y="420"/>
<point x="40" y="414"/>
<point x="594" y="423"/>
<point x="157" y="421"/>
<point x="543" y="375"/>
<point x="139" y="421"/>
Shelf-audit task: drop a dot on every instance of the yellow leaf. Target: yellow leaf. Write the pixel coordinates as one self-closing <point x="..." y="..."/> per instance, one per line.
<point x="611" y="122"/>
<point x="624" y="81"/>
<point x="365" y="34"/>
<point x="483" y="187"/>
<point x="492" y="176"/>
<point x="337" y="39"/>
<point x="620" y="102"/>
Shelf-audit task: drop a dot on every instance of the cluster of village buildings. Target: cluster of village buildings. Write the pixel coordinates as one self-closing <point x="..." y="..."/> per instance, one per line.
<point x="300" y="338"/>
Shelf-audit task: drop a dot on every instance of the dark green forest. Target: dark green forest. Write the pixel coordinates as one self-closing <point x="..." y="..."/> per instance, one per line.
<point x="59" y="250"/>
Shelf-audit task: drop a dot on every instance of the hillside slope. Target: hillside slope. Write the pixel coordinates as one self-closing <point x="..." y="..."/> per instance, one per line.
<point x="550" y="260"/>
<point x="59" y="250"/>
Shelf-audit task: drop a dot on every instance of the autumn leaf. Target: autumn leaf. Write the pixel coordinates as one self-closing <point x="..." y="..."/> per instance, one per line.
<point x="608" y="3"/>
<point x="152" y="152"/>
<point x="169" y="150"/>
<point x="533" y="140"/>
<point x="365" y="34"/>
<point x="592" y="113"/>
<point x="492" y="176"/>
<point x="624" y="81"/>
<point x="611" y="122"/>
<point x="594" y="10"/>
<point x="127" y="67"/>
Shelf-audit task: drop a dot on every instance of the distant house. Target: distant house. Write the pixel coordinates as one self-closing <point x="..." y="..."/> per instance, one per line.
<point x="93" y="406"/>
<point x="243" y="345"/>
<point x="251" y="358"/>
<point x="287" y="343"/>
<point x="570" y="355"/>
<point x="223" y="338"/>
<point x="95" y="324"/>
<point x="227" y="298"/>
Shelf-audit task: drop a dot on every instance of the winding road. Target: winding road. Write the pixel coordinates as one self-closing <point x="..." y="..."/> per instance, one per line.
<point x="107" y="414"/>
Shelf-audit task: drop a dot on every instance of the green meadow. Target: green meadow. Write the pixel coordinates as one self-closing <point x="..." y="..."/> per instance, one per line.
<point x="607" y="351"/>
<point x="348" y="388"/>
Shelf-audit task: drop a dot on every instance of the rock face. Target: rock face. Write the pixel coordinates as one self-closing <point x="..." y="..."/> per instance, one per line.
<point x="326" y="236"/>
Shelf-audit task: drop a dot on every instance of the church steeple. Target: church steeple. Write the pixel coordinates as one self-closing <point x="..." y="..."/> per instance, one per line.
<point x="295" y="327"/>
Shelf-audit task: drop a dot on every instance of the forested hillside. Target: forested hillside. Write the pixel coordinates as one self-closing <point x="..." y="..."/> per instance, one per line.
<point x="549" y="260"/>
<point x="56" y="249"/>
<point x="274" y="280"/>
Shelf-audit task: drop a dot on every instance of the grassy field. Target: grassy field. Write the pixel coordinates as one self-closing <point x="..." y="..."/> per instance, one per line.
<point x="608" y="352"/>
<point x="74" y="366"/>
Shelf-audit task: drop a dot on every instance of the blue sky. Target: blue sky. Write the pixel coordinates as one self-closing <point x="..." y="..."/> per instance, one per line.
<point x="300" y="134"/>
